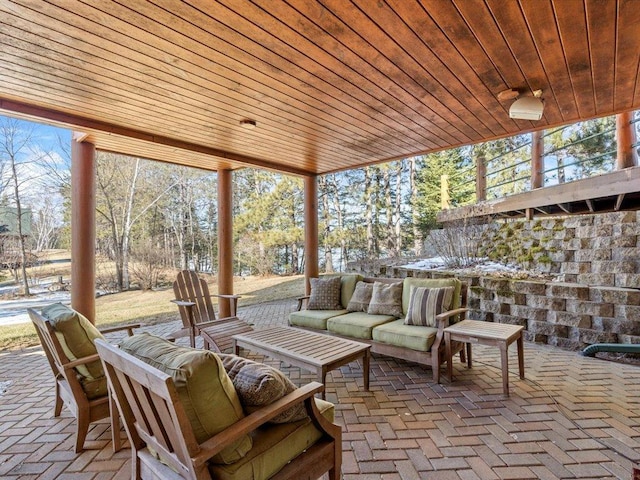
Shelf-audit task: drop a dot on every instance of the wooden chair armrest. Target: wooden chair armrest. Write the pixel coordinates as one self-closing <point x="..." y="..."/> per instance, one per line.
<point x="81" y="361"/>
<point x="129" y="328"/>
<point x="216" y="322"/>
<point x="249" y="423"/>
<point x="442" y="320"/>
<point x="301" y="300"/>
<point x="220" y="295"/>
<point x="183" y="303"/>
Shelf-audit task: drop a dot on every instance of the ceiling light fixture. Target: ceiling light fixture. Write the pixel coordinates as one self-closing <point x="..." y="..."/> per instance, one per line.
<point x="248" y="124"/>
<point x="528" y="108"/>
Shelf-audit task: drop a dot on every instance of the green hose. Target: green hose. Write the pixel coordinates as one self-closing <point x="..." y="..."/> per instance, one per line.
<point x="591" y="350"/>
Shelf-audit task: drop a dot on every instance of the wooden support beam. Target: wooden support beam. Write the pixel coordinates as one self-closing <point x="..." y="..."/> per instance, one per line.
<point x="565" y="207"/>
<point x="626" y="137"/>
<point x="310" y="230"/>
<point x="542" y="210"/>
<point x="590" y="205"/>
<point x="225" y="240"/>
<point x="619" y="201"/>
<point x="529" y="214"/>
<point x="83" y="229"/>
<point x="481" y="179"/>
<point x="537" y="164"/>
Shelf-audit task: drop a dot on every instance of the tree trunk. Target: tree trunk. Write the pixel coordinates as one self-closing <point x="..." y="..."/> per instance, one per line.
<point x="21" y="236"/>
<point x="368" y="213"/>
<point x="326" y="220"/>
<point x="337" y="206"/>
<point x="398" y="211"/>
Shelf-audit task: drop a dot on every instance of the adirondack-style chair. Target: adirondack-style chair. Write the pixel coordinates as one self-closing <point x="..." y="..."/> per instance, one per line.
<point x="80" y="382"/>
<point x="164" y="443"/>
<point x="198" y="316"/>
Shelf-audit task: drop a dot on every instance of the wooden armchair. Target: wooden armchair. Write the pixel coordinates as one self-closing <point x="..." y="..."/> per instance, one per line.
<point x="86" y="398"/>
<point x="163" y="441"/>
<point x="196" y="311"/>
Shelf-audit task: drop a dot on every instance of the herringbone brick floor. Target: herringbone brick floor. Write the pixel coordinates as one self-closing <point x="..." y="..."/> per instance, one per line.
<point x="572" y="418"/>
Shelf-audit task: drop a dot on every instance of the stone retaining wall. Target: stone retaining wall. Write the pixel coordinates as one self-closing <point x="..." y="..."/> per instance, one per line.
<point x="599" y="249"/>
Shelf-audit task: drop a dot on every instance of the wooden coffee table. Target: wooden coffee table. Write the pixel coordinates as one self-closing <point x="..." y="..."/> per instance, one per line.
<point x="315" y="352"/>
<point x="500" y="335"/>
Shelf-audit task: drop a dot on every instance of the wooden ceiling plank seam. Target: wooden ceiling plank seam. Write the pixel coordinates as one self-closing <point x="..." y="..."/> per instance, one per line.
<point x="335" y="131"/>
<point x="602" y="72"/>
<point x="422" y="60"/>
<point x="511" y="22"/>
<point x="347" y="87"/>
<point x="627" y="57"/>
<point x="544" y="30"/>
<point x="575" y="40"/>
<point x="351" y="42"/>
<point x="441" y="46"/>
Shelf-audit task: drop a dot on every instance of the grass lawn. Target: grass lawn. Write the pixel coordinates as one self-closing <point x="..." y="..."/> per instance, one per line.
<point x="148" y="307"/>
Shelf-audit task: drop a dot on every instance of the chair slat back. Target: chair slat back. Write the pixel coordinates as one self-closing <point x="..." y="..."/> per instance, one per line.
<point x="149" y="404"/>
<point x="189" y="287"/>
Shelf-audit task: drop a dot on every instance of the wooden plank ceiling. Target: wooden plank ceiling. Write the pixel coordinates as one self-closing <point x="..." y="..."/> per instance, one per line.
<point x="331" y="84"/>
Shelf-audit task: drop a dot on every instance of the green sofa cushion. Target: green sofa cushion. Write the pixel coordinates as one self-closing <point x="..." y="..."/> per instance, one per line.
<point x="357" y="324"/>
<point x="313" y="318"/>
<point x="76" y="335"/>
<point x="347" y="287"/>
<point x="408" y="336"/>
<point x="205" y="390"/>
<point x="273" y="447"/>
<point x="430" y="283"/>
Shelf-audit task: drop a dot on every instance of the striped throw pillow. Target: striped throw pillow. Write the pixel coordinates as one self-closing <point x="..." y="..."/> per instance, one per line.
<point x="425" y="303"/>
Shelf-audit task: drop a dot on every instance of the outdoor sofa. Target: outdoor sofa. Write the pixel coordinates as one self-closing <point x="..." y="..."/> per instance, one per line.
<point x="407" y="323"/>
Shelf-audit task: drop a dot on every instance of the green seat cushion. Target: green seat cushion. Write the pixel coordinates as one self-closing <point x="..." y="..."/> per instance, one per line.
<point x="413" y="337"/>
<point x="357" y="324"/>
<point x="273" y="447"/>
<point x="313" y="318"/>
<point x="76" y="335"/>
<point x="430" y="283"/>
<point x="205" y="390"/>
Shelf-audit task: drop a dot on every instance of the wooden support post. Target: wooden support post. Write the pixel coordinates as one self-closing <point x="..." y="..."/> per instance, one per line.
<point x="310" y="230"/>
<point x="626" y="137"/>
<point x="481" y="179"/>
<point x="83" y="229"/>
<point x="537" y="155"/>
<point x="225" y="240"/>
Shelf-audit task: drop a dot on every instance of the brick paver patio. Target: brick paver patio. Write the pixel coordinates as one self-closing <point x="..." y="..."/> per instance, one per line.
<point x="573" y="417"/>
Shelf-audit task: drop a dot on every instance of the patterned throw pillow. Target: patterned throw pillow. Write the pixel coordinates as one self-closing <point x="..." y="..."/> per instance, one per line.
<point x="425" y="303"/>
<point x="325" y="294"/>
<point x="361" y="297"/>
<point x="258" y="385"/>
<point x="386" y="299"/>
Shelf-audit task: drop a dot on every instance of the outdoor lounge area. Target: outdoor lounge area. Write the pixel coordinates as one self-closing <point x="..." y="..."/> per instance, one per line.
<point x="572" y="417"/>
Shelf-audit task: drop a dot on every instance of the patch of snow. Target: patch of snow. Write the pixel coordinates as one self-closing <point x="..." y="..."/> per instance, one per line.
<point x="483" y="267"/>
<point x="14" y="310"/>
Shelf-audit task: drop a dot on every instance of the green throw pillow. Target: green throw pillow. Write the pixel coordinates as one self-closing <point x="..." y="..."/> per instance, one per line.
<point x="76" y="335"/>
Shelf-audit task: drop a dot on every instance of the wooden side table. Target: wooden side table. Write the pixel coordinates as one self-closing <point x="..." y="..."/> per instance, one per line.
<point x="499" y="335"/>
